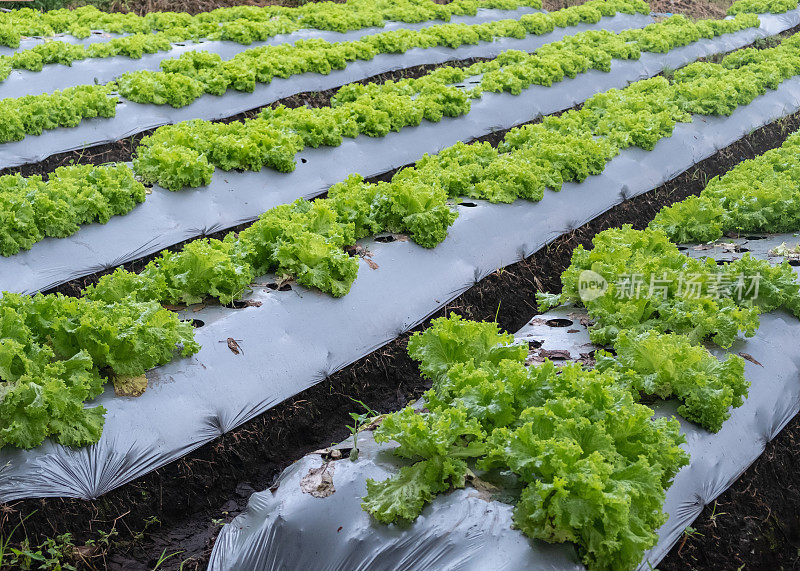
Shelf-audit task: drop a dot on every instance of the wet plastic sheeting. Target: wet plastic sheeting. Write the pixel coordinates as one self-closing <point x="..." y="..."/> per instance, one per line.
<point x="167" y="218"/>
<point x="291" y="530"/>
<point x="133" y="117"/>
<point x="103" y="70"/>
<point x="299" y="337"/>
<point x="286" y="528"/>
<point x="719" y="459"/>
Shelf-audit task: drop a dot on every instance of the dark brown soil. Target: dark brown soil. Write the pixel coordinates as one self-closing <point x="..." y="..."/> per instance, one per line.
<point x="694" y="8"/>
<point x="190" y="497"/>
<point x="756" y="523"/>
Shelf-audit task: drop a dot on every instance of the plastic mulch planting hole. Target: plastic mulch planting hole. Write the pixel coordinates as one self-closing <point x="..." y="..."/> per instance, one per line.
<point x="304" y="161"/>
<point x="755" y="237"/>
<point x="556" y="355"/>
<point x="535" y="344"/>
<point x="282" y="287"/>
<point x="238" y="304"/>
<point x="196" y="323"/>
<point x="385" y="239"/>
<point x="682" y="248"/>
<point x="468" y="204"/>
<point x="794" y="262"/>
<point x="723" y="262"/>
<point x="558" y="322"/>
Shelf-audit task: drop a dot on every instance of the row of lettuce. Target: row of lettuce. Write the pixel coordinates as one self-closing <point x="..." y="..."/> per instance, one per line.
<point x="243" y="24"/>
<point x="761" y="6"/>
<point x="215" y="76"/>
<point x="306" y="240"/>
<point x="246" y="24"/>
<point x="310" y="55"/>
<point x="186" y="78"/>
<point x="590" y="463"/>
<point x="586" y="453"/>
<point x="187" y="154"/>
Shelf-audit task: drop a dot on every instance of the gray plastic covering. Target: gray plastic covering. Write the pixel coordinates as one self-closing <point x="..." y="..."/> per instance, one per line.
<point x="297" y="338"/>
<point x="286" y="527"/>
<point x="774" y="399"/>
<point x="133" y="117"/>
<point x="167" y="218"/>
<point x="103" y="70"/>
<point x="482" y="15"/>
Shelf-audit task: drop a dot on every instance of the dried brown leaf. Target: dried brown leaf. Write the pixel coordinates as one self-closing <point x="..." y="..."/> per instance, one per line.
<point x="374" y="423"/>
<point x="129" y="386"/>
<point x="483" y="489"/>
<point x="319" y="481"/>
<point x="329" y="453"/>
<point x="581" y="318"/>
<point x="234" y="346"/>
<point x="750" y="358"/>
